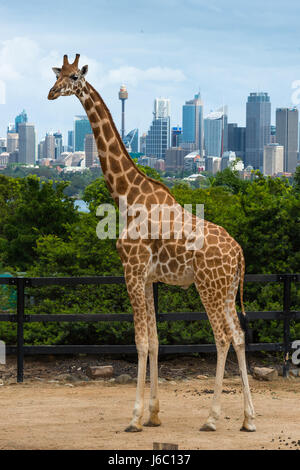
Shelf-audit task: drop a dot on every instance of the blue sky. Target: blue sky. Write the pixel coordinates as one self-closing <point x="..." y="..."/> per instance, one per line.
<point x="158" y="48"/>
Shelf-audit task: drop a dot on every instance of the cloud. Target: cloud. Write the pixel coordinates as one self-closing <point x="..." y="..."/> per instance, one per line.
<point x="17" y="56"/>
<point x="133" y="75"/>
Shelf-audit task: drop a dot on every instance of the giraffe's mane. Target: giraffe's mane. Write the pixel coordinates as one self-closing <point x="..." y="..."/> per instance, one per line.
<point x="123" y="146"/>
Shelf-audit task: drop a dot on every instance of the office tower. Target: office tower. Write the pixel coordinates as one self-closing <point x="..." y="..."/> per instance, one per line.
<point x="12" y="142"/>
<point x="158" y="137"/>
<point x="70" y="141"/>
<point x="258" y="121"/>
<point x="82" y="127"/>
<point x="49" y="146"/>
<point x="58" y="144"/>
<point x="143" y="143"/>
<point x="90" y="149"/>
<point x="192" y="124"/>
<point x="131" y="141"/>
<point x="273" y="159"/>
<point x="176" y="136"/>
<point x="237" y="140"/>
<point x="215" y="133"/>
<point x="162" y="108"/>
<point x="123" y="96"/>
<point x="22" y="117"/>
<point x="287" y="135"/>
<point x="27" y="139"/>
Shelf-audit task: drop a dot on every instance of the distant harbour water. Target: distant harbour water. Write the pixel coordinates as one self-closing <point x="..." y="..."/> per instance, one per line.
<point x="81" y="205"/>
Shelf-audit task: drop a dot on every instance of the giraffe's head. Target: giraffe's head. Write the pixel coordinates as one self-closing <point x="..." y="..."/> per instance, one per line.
<point x="70" y="79"/>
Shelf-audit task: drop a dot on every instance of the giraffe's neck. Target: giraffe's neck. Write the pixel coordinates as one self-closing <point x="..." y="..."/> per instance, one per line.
<point x="120" y="172"/>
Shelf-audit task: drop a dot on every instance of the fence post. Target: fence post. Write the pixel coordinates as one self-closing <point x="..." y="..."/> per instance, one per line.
<point x="286" y="324"/>
<point x="20" y="328"/>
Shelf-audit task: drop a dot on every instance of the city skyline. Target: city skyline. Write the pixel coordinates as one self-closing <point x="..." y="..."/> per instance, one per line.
<point x="170" y="50"/>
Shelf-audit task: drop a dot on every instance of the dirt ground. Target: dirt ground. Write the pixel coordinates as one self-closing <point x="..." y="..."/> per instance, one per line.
<point x="58" y="407"/>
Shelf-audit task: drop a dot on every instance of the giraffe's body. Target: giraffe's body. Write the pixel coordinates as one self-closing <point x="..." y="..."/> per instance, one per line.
<point x="216" y="268"/>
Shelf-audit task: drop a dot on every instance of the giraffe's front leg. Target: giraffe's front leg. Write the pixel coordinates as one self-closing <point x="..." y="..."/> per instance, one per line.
<point x="153" y="358"/>
<point x="136" y="291"/>
<point x="135" y="424"/>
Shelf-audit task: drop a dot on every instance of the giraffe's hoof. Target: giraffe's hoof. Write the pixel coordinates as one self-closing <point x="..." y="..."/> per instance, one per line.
<point x="208" y="427"/>
<point x="152" y="423"/>
<point x="248" y="428"/>
<point x="134" y="428"/>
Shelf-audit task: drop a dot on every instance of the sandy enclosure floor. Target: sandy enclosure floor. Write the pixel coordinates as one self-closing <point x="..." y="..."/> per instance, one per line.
<point x="93" y="415"/>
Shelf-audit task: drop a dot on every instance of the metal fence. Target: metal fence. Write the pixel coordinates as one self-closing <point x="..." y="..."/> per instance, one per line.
<point x="30" y="282"/>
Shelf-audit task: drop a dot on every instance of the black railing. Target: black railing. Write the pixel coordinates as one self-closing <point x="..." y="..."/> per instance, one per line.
<point x="25" y="282"/>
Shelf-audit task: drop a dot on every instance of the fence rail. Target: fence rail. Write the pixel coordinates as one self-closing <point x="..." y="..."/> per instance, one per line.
<point x="25" y="282"/>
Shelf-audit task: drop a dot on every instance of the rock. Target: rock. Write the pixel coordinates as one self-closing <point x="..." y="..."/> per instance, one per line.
<point x="123" y="379"/>
<point x="68" y="378"/>
<point x="103" y="372"/>
<point x="161" y="380"/>
<point x="294" y="373"/>
<point x="264" y="373"/>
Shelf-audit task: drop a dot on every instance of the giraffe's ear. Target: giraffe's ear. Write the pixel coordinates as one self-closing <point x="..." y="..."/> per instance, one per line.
<point x="84" y="70"/>
<point x="57" y="71"/>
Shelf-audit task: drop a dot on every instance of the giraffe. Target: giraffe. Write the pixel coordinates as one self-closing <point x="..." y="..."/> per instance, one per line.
<point x="216" y="268"/>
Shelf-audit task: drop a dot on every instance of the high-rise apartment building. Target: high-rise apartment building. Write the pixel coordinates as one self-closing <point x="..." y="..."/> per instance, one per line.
<point x="192" y="124"/>
<point x="27" y="146"/>
<point x="287" y="122"/>
<point x="82" y="127"/>
<point x="258" y="122"/>
<point x="216" y="133"/>
<point x="158" y="137"/>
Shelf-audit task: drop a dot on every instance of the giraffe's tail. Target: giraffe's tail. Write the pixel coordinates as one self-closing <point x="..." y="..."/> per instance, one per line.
<point x="242" y="275"/>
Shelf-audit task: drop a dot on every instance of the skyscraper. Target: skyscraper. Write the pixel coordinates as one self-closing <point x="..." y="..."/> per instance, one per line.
<point x="81" y="128"/>
<point x="287" y="135"/>
<point x="27" y="152"/>
<point x="158" y="137"/>
<point x="237" y="140"/>
<point x="22" y="117"/>
<point x="215" y="133"/>
<point x="192" y="124"/>
<point x="258" y="122"/>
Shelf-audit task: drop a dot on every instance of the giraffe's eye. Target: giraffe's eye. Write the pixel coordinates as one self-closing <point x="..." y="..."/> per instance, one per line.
<point x="74" y="77"/>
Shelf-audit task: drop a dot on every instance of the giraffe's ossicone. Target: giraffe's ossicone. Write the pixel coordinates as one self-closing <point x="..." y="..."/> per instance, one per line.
<point x="216" y="267"/>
